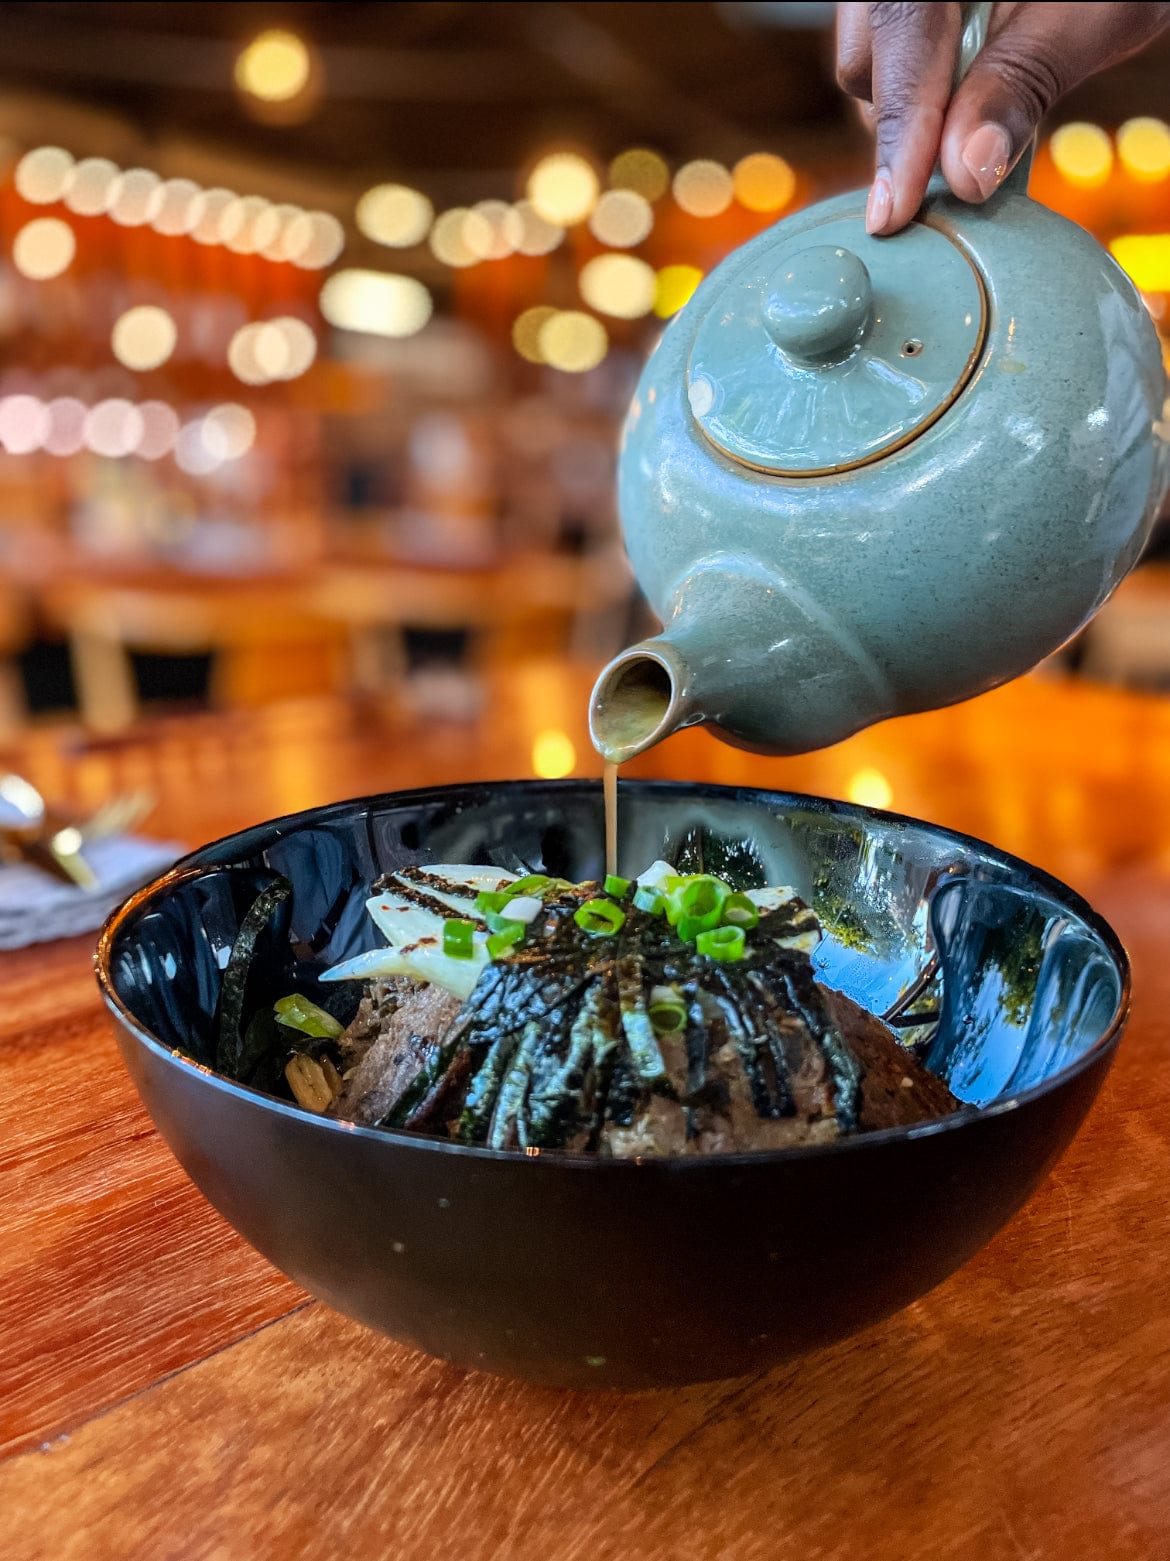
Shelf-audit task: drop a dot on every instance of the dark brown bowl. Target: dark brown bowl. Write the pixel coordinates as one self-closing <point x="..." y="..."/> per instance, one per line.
<point x="598" y="1273"/>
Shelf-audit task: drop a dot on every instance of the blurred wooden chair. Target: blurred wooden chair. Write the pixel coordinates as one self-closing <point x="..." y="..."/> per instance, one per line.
<point x="264" y="638"/>
<point x="531" y="606"/>
<point x="16" y="634"/>
<point x="1128" y="642"/>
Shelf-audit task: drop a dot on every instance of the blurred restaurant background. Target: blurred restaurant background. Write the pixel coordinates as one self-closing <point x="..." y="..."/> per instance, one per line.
<point x="318" y="323"/>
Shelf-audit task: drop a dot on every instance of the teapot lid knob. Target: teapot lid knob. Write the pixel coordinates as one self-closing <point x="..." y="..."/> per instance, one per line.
<point x="819" y="303"/>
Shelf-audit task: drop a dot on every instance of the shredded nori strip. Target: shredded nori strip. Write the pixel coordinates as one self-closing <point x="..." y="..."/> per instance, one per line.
<point x="230" y="1050"/>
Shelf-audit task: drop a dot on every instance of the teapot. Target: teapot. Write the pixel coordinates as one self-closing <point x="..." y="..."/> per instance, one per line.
<point x="862" y="477"/>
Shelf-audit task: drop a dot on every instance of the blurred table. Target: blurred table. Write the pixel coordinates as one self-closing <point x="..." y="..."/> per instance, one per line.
<point x="164" y="1393"/>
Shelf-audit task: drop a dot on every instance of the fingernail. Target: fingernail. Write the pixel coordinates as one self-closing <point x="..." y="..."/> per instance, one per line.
<point x="880" y="203"/>
<point x="986" y="156"/>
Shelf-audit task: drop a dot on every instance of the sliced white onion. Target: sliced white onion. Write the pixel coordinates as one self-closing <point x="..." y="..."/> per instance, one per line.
<point x="655" y="875"/>
<point x="524" y="907"/>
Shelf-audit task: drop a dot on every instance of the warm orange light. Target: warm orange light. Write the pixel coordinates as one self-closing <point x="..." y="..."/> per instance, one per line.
<point x="763" y="182"/>
<point x="275" y="67"/>
<point x="1082" y="154"/>
<point x="553" y="755"/>
<point x="673" y="287"/>
<point x="1145" y="258"/>
<point x="870" y="788"/>
<point x="1143" y="146"/>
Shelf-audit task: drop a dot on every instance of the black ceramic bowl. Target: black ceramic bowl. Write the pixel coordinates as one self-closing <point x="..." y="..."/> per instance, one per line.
<point x="596" y="1273"/>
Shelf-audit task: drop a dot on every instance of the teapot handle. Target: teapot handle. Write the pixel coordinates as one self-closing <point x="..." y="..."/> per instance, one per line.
<point x="976" y="21"/>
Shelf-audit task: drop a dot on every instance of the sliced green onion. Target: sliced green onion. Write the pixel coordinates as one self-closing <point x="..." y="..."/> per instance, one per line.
<point x="721" y="943"/>
<point x="498" y="922"/>
<point x="668" y="1013"/>
<point x="616" y="886"/>
<point x="599" y="918"/>
<point x="490" y="900"/>
<point x="457" y="941"/>
<point x="698" y="902"/>
<point x="508" y="936"/>
<point x="739" y="911"/>
<point x="650" y="901"/>
<point x="297" y="1013"/>
<point x="535" y="883"/>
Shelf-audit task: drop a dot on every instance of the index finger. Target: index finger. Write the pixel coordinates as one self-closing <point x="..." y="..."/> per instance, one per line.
<point x="914" y="51"/>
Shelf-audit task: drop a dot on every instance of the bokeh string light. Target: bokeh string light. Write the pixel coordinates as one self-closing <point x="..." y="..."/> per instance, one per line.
<point x="44" y="248"/>
<point x="529" y="233"/>
<point x="395" y="215"/>
<point x="526" y="330"/>
<point x="447" y="240"/>
<point x="137" y="197"/>
<point x="377" y="303"/>
<point x="618" y="285"/>
<point x="116" y="429"/>
<point x="703" y="188"/>
<point x="563" y="188"/>
<point x="275" y="67"/>
<point x="144" y="337"/>
<point x="572" y="341"/>
<point x="485" y="230"/>
<point x="642" y="171"/>
<point x="621" y="219"/>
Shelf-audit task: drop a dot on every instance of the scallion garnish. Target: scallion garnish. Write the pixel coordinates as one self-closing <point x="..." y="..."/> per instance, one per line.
<point x="650" y="901"/>
<point x="599" y="918"/>
<point x="457" y="938"/>
<point x="725" y="943"/>
<point x="739" y="911"/>
<point x="696" y="904"/>
<point x="491" y="900"/>
<point x="667" y="1010"/>
<point x="297" y="1013"/>
<point x="535" y="883"/>
<point x="508" y="936"/>
<point x="498" y="922"/>
<point x="616" y="886"/>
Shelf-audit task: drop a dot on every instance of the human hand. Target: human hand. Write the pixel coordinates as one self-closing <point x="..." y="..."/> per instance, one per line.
<point x="901" y="59"/>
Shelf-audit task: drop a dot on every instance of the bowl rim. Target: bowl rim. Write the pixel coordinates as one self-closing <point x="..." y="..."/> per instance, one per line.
<point x="189" y="868"/>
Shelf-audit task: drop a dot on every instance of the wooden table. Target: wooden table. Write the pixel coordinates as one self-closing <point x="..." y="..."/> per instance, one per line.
<point x="164" y="1393"/>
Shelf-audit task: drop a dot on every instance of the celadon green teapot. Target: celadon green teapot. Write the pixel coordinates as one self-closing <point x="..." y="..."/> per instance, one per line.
<point x="862" y="477"/>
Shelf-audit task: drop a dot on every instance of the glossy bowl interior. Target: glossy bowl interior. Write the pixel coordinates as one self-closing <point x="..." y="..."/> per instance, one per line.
<point x="587" y="1272"/>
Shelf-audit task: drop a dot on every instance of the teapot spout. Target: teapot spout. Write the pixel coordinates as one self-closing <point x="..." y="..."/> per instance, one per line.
<point x="640" y="698"/>
<point x="748" y="653"/>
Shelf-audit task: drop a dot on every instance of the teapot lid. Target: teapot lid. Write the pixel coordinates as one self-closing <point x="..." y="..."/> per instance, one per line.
<point x="837" y="348"/>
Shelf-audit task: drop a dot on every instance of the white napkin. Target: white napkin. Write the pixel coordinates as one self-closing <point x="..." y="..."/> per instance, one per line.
<point x="35" y="907"/>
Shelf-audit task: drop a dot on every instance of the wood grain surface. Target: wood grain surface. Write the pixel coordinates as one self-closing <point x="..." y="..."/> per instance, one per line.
<point x="164" y="1393"/>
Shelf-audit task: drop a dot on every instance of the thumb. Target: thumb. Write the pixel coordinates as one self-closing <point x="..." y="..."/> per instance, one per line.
<point x="1036" y="55"/>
